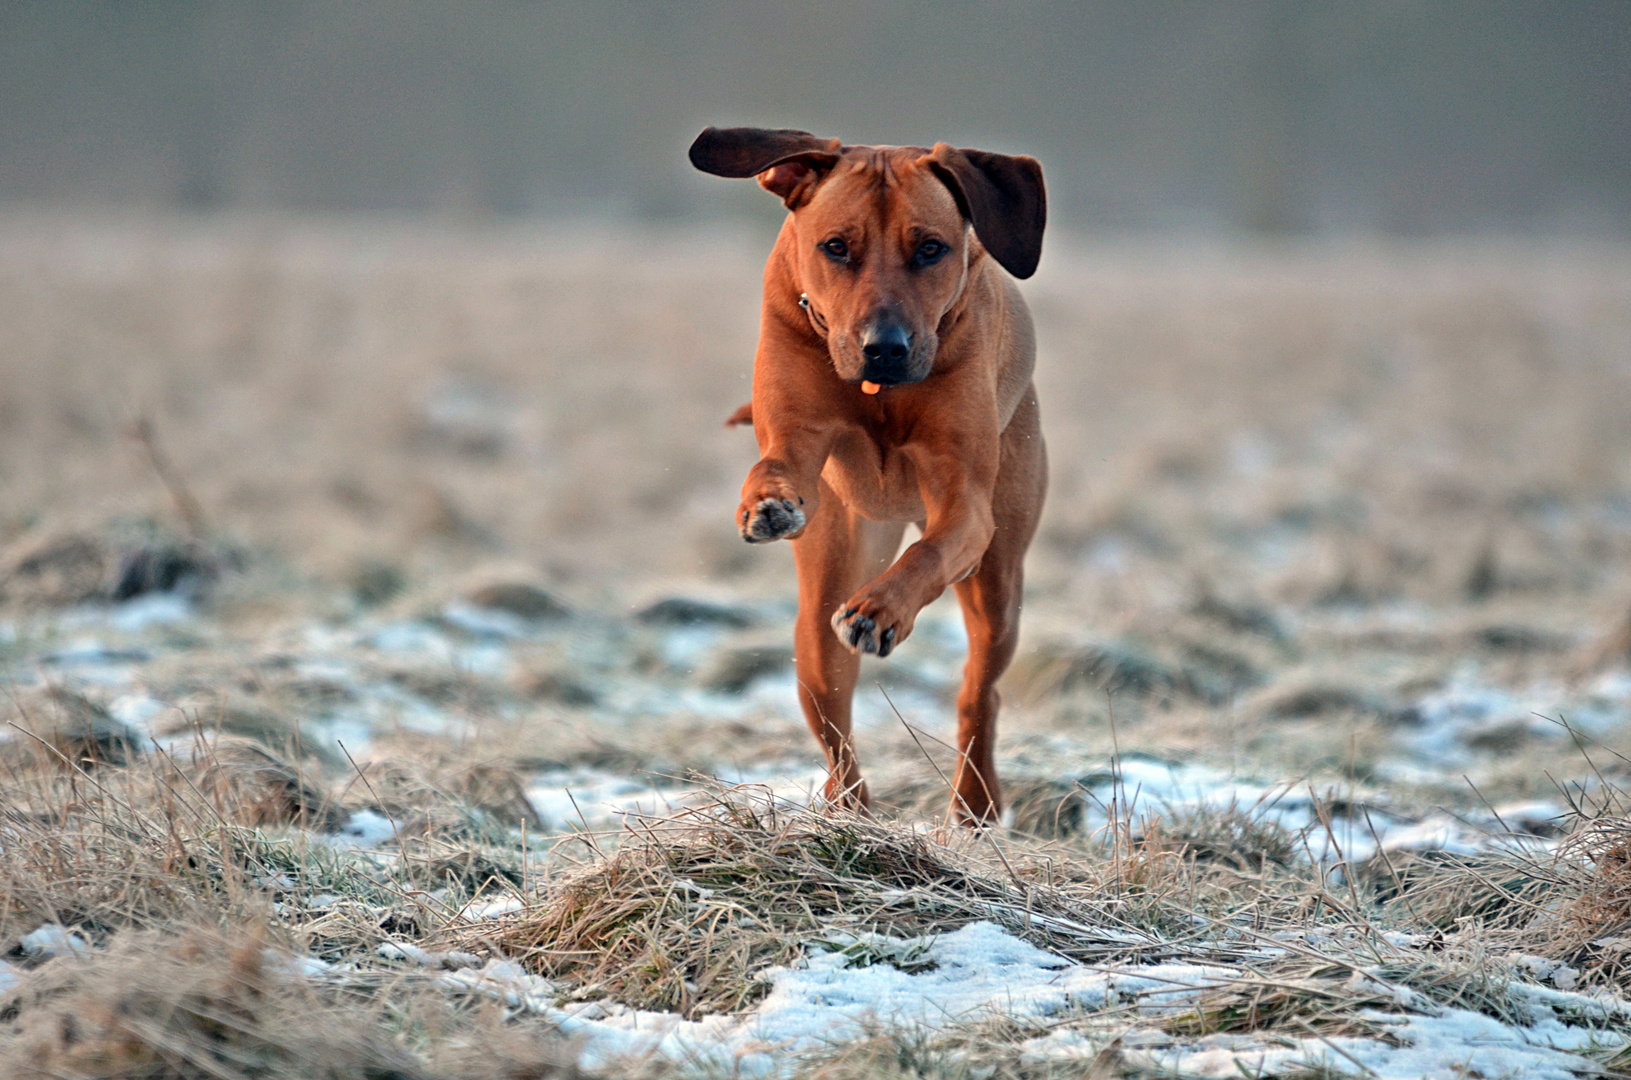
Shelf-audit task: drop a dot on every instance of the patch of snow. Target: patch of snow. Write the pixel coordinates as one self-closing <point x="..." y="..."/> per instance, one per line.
<point x="136" y="709"/>
<point x="424" y="642"/>
<point x="327" y="669"/>
<point x="323" y="638"/>
<point x="402" y="950"/>
<point x="94" y="661"/>
<point x="1451" y="1046"/>
<point x="483" y="658"/>
<point x="1556" y="972"/>
<point x="510" y="983"/>
<point x="452" y="959"/>
<point x="363" y="829"/>
<point x="977" y="970"/>
<point x="1465" y="712"/>
<point x="1458" y="1044"/>
<point x="477" y="910"/>
<point x="413" y="636"/>
<point x="1451" y="722"/>
<point x="52" y="940"/>
<point x="381" y="706"/>
<point x="9" y="977"/>
<point x="301" y="967"/>
<point x="1162" y="789"/>
<point x="1613" y="686"/>
<point x="982" y="970"/>
<point x="684" y="647"/>
<point x="151" y="609"/>
<point x="486" y="622"/>
<point x="596" y="799"/>
<point x="1109" y="555"/>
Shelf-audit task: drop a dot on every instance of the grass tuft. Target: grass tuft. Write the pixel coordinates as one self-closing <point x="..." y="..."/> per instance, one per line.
<point x="686" y="912"/>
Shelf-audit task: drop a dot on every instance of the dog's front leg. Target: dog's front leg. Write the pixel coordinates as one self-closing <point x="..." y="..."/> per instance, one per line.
<point x="781" y="492"/>
<point x="956" y="483"/>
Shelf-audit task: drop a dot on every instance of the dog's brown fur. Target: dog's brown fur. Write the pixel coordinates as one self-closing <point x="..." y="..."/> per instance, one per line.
<point x="952" y="442"/>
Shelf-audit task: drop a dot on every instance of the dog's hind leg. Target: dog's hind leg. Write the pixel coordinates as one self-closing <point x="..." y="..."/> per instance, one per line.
<point x="991" y="598"/>
<point x="838" y="552"/>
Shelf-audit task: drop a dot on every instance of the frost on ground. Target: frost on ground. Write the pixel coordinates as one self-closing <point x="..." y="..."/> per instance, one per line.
<point x="1301" y="876"/>
<point x="450" y="711"/>
<point x="1069" y="1012"/>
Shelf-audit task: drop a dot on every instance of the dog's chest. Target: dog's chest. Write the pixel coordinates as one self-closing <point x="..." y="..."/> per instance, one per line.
<point x="874" y="478"/>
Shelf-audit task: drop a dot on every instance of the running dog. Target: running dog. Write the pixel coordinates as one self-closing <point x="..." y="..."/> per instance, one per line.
<point x="892" y="386"/>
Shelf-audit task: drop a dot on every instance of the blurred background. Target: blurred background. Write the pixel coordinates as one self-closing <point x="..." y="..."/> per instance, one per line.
<point x="343" y="306"/>
<point x="1275" y="116"/>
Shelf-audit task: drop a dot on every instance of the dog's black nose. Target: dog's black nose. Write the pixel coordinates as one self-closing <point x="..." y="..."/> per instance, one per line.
<point x="887" y="344"/>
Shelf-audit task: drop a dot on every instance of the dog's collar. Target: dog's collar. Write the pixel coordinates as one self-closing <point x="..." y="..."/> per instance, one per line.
<point x="816" y="321"/>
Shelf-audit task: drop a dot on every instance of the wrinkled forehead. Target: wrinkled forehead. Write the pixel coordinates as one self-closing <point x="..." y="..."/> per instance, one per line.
<point x="893" y="186"/>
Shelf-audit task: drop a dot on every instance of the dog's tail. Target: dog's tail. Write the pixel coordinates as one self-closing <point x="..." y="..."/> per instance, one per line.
<point x="744" y="415"/>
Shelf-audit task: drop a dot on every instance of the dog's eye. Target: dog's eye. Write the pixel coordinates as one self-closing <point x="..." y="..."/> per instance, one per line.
<point x="930" y="251"/>
<point x="836" y="248"/>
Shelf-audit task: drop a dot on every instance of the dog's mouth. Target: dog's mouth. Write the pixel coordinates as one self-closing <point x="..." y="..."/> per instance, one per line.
<point x="881" y="381"/>
<point x="881" y="373"/>
<point x="874" y="382"/>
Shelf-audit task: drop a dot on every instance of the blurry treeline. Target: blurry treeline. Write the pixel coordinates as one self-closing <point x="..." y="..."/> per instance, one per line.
<point x="1398" y="116"/>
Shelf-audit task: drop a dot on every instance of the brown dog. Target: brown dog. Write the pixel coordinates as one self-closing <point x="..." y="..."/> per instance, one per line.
<point x="892" y="385"/>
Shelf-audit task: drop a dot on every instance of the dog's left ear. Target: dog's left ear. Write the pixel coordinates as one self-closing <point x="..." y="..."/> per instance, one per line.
<point x="1002" y="197"/>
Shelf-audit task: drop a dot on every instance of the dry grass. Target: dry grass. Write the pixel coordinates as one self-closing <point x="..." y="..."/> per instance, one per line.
<point x="1330" y="1007"/>
<point x="1570" y="904"/>
<point x="189" y="888"/>
<point x="174" y="890"/>
<point x="262" y="789"/>
<point x="977" y="1053"/>
<point x="220" y="1005"/>
<point x="192" y="841"/>
<point x="1293" y="492"/>
<point x="685" y="912"/>
<point x="384" y="404"/>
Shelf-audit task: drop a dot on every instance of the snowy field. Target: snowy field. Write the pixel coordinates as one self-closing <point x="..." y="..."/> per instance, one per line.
<point x="406" y="653"/>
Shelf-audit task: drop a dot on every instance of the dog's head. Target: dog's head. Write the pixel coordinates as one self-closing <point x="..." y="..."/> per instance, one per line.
<point x="881" y="234"/>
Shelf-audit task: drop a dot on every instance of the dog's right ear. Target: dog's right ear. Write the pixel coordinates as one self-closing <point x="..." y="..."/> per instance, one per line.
<point x="787" y="163"/>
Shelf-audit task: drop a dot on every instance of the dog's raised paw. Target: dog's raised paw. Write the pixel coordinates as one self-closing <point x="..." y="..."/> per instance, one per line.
<point x="860" y="632"/>
<point x="771" y="519"/>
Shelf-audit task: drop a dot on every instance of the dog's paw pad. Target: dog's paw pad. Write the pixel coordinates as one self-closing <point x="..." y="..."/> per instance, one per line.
<point x="861" y="633"/>
<point x="771" y="519"/>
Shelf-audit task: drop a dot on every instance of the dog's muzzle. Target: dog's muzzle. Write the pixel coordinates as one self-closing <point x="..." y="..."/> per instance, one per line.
<point x="887" y="347"/>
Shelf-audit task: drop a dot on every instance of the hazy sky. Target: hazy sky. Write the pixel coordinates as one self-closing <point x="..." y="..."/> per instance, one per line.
<point x="1393" y="116"/>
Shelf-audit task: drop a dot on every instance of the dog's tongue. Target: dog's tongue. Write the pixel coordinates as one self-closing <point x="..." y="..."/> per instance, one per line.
<point x="869" y="387"/>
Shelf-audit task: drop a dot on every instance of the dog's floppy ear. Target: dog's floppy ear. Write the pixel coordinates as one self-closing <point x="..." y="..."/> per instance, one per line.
<point x="786" y="162"/>
<point x="1002" y="197"/>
